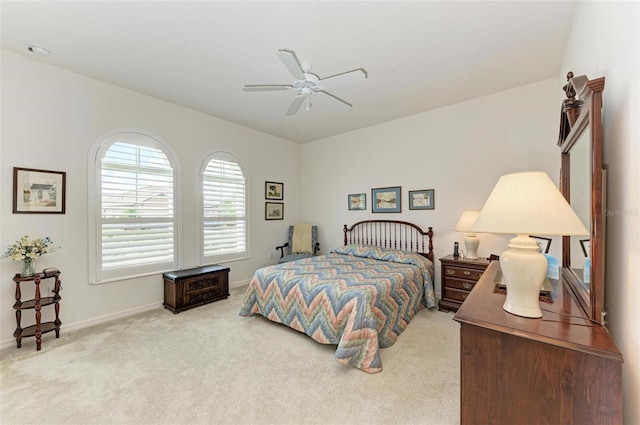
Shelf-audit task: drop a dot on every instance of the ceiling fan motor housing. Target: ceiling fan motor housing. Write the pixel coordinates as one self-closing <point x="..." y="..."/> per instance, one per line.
<point x="310" y="83"/>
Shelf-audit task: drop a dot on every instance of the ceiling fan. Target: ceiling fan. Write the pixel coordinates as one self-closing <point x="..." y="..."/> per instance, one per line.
<point x="307" y="84"/>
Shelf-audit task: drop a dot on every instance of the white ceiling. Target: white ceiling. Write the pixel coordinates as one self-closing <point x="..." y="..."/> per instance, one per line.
<point x="199" y="54"/>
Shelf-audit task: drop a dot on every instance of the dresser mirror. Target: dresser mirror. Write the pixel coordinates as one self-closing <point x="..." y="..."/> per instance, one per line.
<point x="582" y="183"/>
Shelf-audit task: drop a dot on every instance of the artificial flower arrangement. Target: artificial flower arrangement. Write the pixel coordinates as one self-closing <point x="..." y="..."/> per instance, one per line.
<point x="28" y="251"/>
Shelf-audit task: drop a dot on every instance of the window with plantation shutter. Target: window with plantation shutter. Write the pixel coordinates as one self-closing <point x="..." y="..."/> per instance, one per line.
<point x="224" y="209"/>
<point x="135" y="219"/>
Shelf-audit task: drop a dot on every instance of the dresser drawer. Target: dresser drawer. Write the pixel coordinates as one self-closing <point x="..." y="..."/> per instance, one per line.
<point x="462" y="273"/>
<point x="466" y="285"/>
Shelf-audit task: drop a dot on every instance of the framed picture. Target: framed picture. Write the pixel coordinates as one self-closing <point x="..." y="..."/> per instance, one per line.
<point x="543" y="243"/>
<point x="422" y="199"/>
<point x="274" y="210"/>
<point x="274" y="190"/>
<point x="386" y="200"/>
<point x="358" y="201"/>
<point x="38" y="191"/>
<point x="586" y="247"/>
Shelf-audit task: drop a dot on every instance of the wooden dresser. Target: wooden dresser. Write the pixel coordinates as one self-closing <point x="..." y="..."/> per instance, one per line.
<point x="185" y="289"/>
<point x="559" y="369"/>
<point x="458" y="279"/>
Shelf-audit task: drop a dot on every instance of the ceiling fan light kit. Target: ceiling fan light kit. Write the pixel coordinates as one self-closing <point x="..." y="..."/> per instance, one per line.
<point x="307" y="84"/>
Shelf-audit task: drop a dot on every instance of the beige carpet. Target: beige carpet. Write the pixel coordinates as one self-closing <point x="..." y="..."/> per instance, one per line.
<point x="210" y="366"/>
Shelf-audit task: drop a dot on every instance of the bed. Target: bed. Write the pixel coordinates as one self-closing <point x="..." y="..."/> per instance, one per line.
<point x="359" y="297"/>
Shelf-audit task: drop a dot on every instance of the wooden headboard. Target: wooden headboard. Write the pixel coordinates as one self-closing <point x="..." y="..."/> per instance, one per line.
<point x="391" y="234"/>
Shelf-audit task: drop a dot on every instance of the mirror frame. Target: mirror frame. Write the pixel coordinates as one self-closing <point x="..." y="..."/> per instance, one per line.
<point x="577" y="114"/>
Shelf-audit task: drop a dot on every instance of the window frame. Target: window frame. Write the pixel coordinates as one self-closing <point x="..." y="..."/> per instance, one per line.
<point x="227" y="257"/>
<point x="101" y="145"/>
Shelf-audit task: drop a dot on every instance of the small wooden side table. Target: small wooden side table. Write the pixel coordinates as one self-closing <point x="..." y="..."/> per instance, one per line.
<point x="36" y="304"/>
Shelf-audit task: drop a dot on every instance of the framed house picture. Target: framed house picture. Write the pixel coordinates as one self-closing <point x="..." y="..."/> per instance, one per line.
<point x="274" y="190"/>
<point x="386" y="200"/>
<point x="38" y="191"/>
<point x="274" y="210"/>
<point x="358" y="201"/>
<point x="422" y="199"/>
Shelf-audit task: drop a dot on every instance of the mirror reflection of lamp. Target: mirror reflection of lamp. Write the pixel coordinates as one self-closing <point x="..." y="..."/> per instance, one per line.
<point x="526" y="203"/>
<point x="471" y="242"/>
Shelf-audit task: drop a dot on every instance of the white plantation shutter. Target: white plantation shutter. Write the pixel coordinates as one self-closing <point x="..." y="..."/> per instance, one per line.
<point x="136" y="220"/>
<point x="224" y="208"/>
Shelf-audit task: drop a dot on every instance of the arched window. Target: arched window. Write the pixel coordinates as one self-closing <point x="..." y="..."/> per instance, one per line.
<point x="224" y="209"/>
<point x="133" y="215"/>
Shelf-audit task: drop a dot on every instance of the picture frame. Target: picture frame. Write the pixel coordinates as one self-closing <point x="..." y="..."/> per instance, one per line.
<point x="274" y="210"/>
<point x="386" y="200"/>
<point x="585" y="244"/>
<point x="544" y="243"/>
<point x="274" y="191"/>
<point x="422" y="199"/>
<point x="357" y="201"/>
<point x="39" y="191"/>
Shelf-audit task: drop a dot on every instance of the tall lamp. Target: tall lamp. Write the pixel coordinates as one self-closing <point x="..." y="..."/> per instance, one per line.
<point x="526" y="204"/>
<point x="471" y="242"/>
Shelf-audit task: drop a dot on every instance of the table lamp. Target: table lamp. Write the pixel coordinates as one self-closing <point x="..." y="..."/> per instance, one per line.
<point x="471" y="242"/>
<point x="524" y="204"/>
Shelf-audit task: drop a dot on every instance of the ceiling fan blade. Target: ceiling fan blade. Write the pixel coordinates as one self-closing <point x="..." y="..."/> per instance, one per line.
<point x="349" y="77"/>
<point x="295" y="105"/>
<point x="344" y="104"/>
<point x="267" y="87"/>
<point x="290" y="60"/>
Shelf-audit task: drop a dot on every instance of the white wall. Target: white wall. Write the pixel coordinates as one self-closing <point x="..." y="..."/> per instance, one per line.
<point x="50" y="118"/>
<point x="460" y="151"/>
<point x="605" y="42"/>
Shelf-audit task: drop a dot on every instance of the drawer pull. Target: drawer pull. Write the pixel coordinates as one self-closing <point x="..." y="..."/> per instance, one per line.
<point x="450" y="271"/>
<point x="464" y="296"/>
<point x="467" y="286"/>
<point x="466" y="273"/>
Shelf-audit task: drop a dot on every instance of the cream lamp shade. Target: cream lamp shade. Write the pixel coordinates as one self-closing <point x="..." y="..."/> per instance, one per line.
<point x="526" y="203"/>
<point x="471" y="242"/>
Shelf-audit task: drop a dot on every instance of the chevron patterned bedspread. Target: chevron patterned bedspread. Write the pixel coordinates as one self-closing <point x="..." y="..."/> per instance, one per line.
<point x="359" y="298"/>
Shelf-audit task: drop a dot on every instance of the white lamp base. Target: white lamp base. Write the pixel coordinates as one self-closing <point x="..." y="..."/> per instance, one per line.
<point x="471" y="242"/>
<point x="524" y="269"/>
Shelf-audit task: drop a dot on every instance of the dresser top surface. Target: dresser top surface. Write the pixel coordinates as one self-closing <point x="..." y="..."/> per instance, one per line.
<point x="563" y="322"/>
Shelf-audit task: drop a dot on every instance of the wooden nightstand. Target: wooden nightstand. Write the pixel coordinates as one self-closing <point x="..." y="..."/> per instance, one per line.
<point x="184" y="289"/>
<point x="458" y="279"/>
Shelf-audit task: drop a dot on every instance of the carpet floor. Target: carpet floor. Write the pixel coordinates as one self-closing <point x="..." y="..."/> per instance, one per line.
<point x="210" y="366"/>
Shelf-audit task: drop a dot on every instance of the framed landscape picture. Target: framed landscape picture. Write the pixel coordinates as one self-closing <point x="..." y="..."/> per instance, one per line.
<point x="274" y="190"/>
<point x="386" y="200"/>
<point x="274" y="210"/>
<point x="38" y="191"/>
<point x="422" y="199"/>
<point x="358" y="201"/>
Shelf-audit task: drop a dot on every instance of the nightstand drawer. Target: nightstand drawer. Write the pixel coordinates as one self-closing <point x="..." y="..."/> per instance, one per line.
<point x="462" y="273"/>
<point x="466" y="285"/>
<point x="455" y="294"/>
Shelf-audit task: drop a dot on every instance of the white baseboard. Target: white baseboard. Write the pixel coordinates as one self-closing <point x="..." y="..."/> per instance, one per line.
<point x="239" y="283"/>
<point x="109" y="317"/>
<point x="93" y="321"/>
